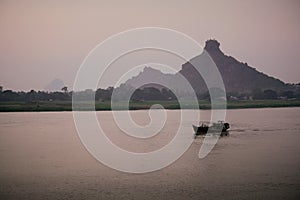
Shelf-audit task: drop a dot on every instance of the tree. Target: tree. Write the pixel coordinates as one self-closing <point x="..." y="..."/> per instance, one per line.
<point x="270" y="94"/>
<point x="257" y="94"/>
<point x="288" y="94"/>
<point x="65" y="89"/>
<point x="1" y="88"/>
<point x="31" y="96"/>
<point x="104" y="94"/>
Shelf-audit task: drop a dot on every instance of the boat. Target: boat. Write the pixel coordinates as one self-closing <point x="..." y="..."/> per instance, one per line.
<point x="216" y="127"/>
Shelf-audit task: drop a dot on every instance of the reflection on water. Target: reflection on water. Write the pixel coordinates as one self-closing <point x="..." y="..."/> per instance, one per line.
<point x="41" y="157"/>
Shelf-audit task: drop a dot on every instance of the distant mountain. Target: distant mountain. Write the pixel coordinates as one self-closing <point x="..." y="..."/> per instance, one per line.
<point x="54" y="85"/>
<point x="238" y="77"/>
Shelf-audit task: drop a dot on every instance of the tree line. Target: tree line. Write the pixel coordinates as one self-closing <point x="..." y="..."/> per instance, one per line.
<point x="140" y="94"/>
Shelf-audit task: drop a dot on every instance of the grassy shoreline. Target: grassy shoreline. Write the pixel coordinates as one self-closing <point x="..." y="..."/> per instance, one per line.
<point x="55" y="106"/>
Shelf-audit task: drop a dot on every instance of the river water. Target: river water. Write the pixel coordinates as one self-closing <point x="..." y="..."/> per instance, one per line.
<point x="42" y="157"/>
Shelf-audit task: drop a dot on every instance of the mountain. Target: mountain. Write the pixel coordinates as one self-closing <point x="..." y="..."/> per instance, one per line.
<point x="238" y="77"/>
<point x="54" y="85"/>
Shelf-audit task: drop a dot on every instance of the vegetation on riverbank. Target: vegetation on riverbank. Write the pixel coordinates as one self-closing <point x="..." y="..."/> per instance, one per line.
<point x="106" y="105"/>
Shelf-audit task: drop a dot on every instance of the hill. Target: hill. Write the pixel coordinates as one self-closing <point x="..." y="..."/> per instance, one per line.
<point x="238" y="77"/>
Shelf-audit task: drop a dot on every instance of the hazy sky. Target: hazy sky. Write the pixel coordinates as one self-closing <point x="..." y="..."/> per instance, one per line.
<point x="41" y="41"/>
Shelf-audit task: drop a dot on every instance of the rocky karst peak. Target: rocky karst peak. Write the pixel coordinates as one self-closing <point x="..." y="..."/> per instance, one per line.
<point x="212" y="44"/>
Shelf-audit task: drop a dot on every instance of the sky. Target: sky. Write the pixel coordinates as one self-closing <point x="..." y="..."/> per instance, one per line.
<point x="44" y="40"/>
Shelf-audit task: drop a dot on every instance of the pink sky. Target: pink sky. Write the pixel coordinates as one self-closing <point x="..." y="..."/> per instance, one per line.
<point x="41" y="41"/>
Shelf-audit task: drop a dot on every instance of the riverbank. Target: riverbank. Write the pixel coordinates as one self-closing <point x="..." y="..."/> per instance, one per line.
<point x="106" y="105"/>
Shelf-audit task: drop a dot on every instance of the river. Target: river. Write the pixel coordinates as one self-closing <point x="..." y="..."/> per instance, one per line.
<point x="42" y="157"/>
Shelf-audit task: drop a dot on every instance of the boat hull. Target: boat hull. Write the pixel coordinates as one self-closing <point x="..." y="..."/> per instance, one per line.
<point x="203" y="129"/>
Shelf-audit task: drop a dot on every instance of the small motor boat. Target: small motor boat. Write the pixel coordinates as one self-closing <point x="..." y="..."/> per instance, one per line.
<point x="219" y="127"/>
